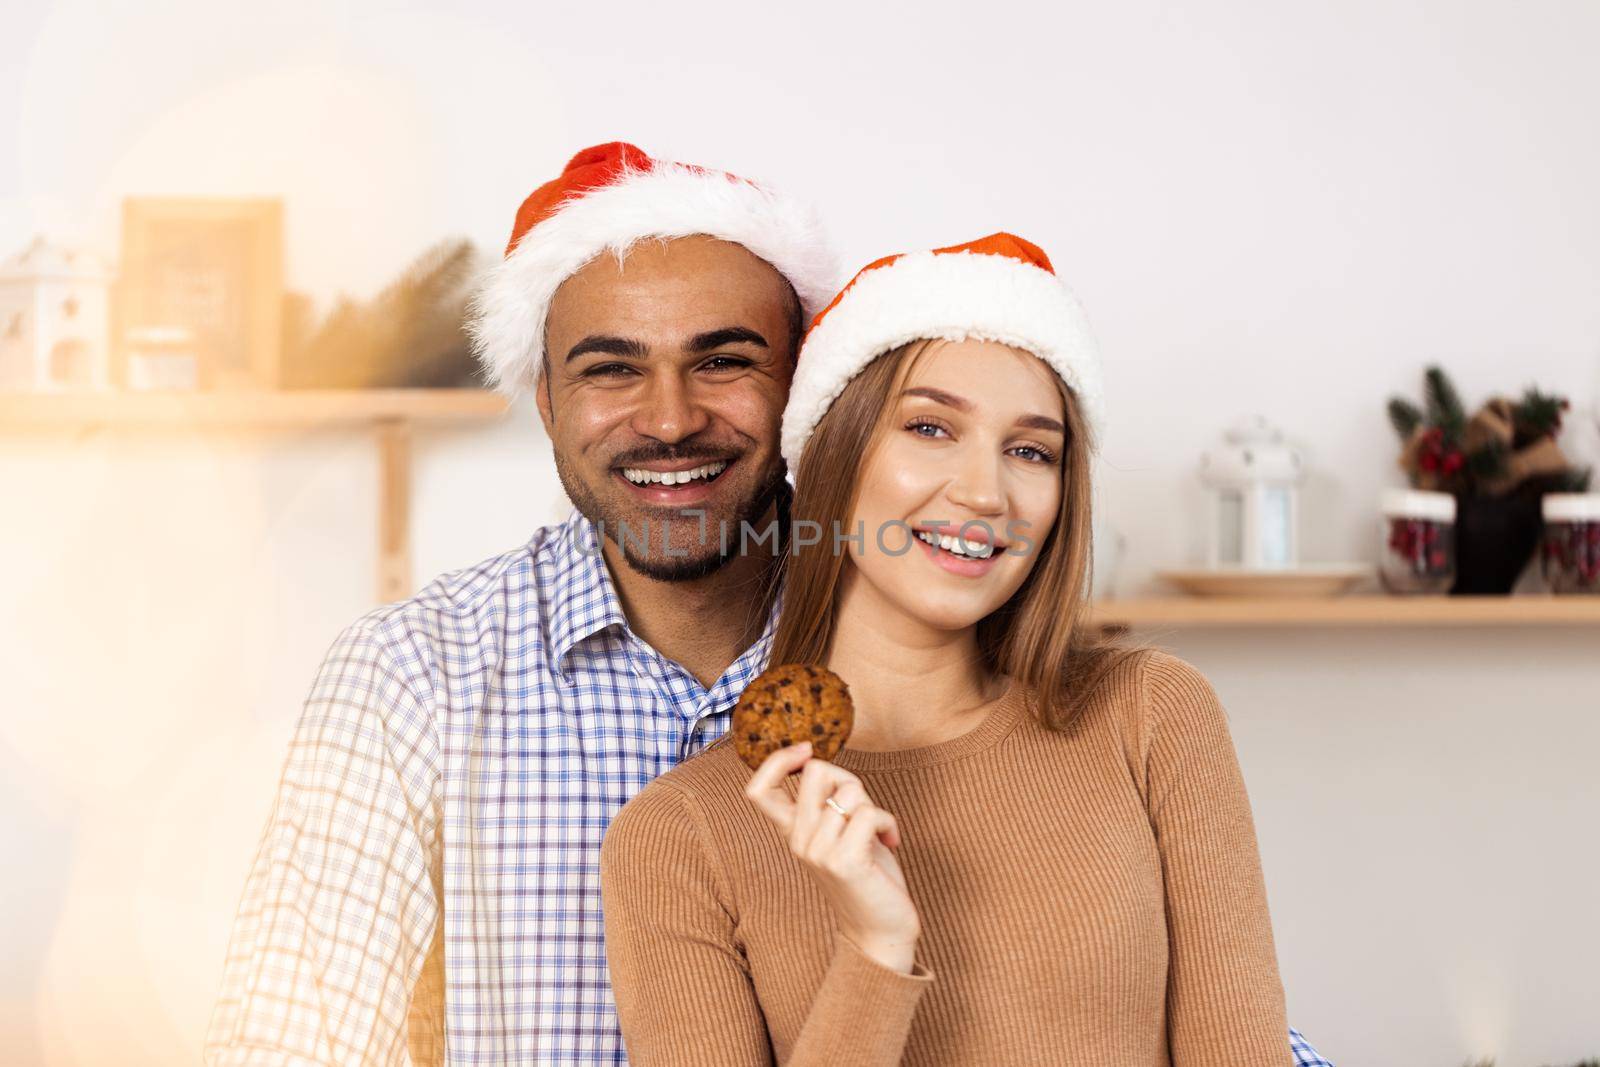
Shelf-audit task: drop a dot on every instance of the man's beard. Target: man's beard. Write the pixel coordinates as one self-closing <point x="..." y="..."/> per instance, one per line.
<point x="723" y="536"/>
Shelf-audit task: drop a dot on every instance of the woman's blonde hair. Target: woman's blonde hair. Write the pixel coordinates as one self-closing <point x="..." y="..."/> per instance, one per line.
<point x="1041" y="636"/>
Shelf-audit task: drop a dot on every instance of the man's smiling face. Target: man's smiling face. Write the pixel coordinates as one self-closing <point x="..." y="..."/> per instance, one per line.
<point x="665" y="383"/>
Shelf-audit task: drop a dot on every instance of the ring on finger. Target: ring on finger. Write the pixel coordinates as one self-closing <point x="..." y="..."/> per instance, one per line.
<point x="834" y="804"/>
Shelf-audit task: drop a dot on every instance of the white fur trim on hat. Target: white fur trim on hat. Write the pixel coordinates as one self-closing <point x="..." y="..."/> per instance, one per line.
<point x="955" y="296"/>
<point x="507" y="316"/>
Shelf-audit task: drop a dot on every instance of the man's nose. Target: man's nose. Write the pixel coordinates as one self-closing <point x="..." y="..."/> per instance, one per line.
<point x="669" y="410"/>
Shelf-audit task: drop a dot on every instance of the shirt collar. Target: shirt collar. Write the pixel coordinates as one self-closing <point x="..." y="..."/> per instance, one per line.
<point x="585" y="602"/>
<point x="753" y="659"/>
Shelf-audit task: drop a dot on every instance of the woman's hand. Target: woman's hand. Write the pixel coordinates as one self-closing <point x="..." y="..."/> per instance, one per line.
<point x="850" y="857"/>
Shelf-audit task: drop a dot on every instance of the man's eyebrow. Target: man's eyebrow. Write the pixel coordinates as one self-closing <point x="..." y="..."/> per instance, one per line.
<point x="727" y="335"/>
<point x="950" y="400"/>
<point x="608" y="346"/>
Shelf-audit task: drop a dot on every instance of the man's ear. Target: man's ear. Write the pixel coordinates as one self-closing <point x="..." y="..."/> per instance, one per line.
<point x="541" y="399"/>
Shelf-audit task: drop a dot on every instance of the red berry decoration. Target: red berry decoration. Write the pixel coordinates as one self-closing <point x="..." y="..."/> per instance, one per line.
<point x="1420" y="545"/>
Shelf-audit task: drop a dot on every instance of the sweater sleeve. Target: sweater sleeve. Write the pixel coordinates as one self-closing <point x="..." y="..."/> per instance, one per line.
<point x="1225" y="1000"/>
<point x="682" y="984"/>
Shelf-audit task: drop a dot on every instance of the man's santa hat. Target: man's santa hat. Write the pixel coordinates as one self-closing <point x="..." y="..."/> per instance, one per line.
<point x="997" y="288"/>
<point x="605" y="200"/>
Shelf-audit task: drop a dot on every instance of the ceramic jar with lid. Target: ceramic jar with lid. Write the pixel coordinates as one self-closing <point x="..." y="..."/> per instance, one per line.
<point x="1570" y="553"/>
<point x="1417" y="549"/>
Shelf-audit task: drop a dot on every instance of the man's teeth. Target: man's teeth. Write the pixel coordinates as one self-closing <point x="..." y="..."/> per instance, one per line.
<point x="640" y="476"/>
<point x="957" y="545"/>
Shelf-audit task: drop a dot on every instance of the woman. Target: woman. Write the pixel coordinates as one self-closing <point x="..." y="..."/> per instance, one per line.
<point x="1036" y="847"/>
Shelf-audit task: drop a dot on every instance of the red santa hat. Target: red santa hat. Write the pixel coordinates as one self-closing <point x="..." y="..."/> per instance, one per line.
<point x="606" y="199"/>
<point x="997" y="288"/>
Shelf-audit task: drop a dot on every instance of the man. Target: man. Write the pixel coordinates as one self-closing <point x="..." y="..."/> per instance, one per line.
<point x="427" y="885"/>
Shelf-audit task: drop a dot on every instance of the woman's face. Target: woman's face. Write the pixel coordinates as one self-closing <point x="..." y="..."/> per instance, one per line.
<point x="975" y="438"/>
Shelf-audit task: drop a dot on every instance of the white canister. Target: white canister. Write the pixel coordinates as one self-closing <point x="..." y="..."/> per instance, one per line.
<point x="1417" y="543"/>
<point x="1569" y="555"/>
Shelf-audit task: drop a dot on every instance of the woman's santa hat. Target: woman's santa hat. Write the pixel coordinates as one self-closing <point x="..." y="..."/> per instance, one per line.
<point x="606" y="199"/>
<point x="997" y="288"/>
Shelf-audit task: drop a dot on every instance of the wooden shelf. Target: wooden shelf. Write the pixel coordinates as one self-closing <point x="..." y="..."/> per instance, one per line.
<point x="257" y="410"/>
<point x="1351" y="611"/>
<point x="390" y="414"/>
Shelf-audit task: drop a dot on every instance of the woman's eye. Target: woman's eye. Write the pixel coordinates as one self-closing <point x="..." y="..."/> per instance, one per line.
<point x="932" y="429"/>
<point x="1035" y="454"/>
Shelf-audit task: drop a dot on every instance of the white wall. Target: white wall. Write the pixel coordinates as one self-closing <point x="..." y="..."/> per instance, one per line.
<point x="1288" y="208"/>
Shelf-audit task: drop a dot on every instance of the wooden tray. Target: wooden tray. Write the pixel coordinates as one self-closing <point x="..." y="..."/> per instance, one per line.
<point x="1313" y="580"/>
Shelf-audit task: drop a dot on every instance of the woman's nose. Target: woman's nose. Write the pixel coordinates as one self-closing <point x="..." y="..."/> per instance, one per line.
<point x="975" y="483"/>
<point x="668" y="410"/>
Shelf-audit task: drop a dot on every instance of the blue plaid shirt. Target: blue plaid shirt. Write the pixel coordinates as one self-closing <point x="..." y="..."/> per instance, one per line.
<point x="427" y="888"/>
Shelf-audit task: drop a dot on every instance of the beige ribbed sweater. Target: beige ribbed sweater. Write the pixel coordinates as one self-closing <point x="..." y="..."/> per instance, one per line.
<point x="1092" y="897"/>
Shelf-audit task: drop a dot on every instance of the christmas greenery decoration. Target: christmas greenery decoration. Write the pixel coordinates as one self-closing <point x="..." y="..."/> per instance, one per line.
<point x="1444" y="405"/>
<point x="411" y="334"/>
<point x="1505" y="445"/>
<point x="1539" y="415"/>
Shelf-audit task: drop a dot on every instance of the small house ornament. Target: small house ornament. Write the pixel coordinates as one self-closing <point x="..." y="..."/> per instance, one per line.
<point x="1252" y="481"/>
<point x="54" y="320"/>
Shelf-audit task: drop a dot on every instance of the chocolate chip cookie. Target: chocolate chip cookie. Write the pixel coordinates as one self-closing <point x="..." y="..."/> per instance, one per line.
<point x="790" y="704"/>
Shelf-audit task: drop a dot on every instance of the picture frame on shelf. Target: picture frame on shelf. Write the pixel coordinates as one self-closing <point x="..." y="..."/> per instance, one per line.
<point x="212" y="269"/>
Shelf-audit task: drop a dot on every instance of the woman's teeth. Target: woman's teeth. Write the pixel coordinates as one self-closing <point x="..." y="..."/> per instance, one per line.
<point x="957" y="546"/>
<point x="640" y="476"/>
